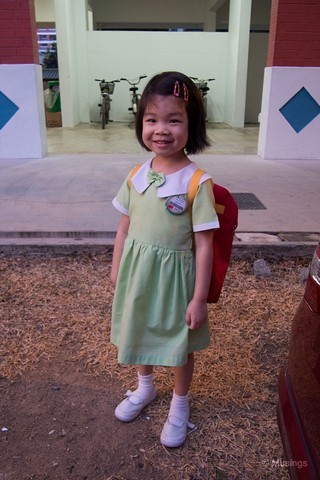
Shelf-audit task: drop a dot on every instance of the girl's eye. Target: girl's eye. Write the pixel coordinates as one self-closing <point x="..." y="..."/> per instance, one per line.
<point x="149" y="120"/>
<point x="174" y="120"/>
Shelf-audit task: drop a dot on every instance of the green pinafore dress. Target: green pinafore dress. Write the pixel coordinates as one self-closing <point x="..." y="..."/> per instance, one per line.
<point x="157" y="269"/>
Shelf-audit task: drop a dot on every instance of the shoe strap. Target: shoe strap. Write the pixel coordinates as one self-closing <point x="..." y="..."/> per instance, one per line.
<point x="181" y="421"/>
<point x="134" y="398"/>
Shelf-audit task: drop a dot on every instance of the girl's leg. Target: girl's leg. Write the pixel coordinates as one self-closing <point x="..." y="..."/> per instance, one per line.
<point x="175" y="429"/>
<point x="131" y="406"/>
<point x="145" y="370"/>
<point x="183" y="376"/>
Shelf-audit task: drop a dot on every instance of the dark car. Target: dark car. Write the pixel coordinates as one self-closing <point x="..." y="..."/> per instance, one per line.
<point x="299" y="385"/>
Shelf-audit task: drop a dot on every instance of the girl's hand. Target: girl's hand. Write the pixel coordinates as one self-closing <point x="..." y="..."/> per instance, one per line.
<point x="197" y="314"/>
<point x="197" y="311"/>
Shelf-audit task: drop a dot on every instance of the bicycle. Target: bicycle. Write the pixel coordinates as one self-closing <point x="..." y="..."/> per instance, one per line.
<point x="106" y="89"/>
<point x="202" y="85"/>
<point x="135" y="97"/>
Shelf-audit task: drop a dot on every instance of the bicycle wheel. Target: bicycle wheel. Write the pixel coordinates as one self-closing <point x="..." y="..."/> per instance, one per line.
<point x="107" y="113"/>
<point x="103" y="113"/>
<point x="107" y="108"/>
<point x="205" y="107"/>
<point x="135" y="102"/>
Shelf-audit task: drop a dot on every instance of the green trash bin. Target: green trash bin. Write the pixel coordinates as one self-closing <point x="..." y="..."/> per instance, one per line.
<point x="53" y="100"/>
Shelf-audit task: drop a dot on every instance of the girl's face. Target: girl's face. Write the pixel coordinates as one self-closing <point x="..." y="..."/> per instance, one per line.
<point x="165" y="126"/>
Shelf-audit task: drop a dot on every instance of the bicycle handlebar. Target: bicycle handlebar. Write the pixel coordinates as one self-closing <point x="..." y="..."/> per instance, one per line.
<point x="201" y="81"/>
<point x="106" y="81"/>
<point x="132" y="82"/>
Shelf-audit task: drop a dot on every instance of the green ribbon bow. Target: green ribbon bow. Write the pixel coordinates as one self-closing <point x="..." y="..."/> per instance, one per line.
<point x="157" y="178"/>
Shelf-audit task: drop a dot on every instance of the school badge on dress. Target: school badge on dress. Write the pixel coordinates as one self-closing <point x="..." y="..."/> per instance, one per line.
<point x="176" y="204"/>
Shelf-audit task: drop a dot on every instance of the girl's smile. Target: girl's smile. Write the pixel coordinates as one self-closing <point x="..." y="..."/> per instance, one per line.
<point x="165" y="127"/>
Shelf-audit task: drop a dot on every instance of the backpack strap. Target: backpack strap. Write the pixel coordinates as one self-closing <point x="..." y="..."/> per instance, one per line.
<point x="132" y="173"/>
<point x="193" y="187"/>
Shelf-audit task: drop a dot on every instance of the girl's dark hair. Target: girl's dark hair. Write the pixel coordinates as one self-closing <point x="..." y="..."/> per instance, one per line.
<point x="165" y="84"/>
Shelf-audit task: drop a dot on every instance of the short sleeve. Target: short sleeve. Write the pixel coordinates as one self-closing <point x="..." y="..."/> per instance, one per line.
<point x="204" y="216"/>
<point x="122" y="200"/>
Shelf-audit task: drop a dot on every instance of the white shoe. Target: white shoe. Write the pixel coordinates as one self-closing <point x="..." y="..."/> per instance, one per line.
<point x="130" y="407"/>
<point x="175" y="431"/>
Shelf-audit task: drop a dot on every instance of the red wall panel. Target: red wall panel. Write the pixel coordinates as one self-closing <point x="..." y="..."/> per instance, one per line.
<point x="18" y="33"/>
<point x="294" y="38"/>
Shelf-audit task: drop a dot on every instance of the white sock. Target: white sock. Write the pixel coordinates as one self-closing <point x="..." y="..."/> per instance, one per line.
<point x="179" y="409"/>
<point x="145" y="381"/>
<point x="146" y="387"/>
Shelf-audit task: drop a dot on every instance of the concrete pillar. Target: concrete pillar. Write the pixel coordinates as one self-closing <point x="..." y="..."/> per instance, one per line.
<point x="71" y="27"/>
<point x="290" y="112"/>
<point x="22" y="116"/>
<point x="236" y="84"/>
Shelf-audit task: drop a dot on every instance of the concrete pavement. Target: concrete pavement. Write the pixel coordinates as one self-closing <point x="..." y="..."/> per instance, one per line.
<point x="64" y="200"/>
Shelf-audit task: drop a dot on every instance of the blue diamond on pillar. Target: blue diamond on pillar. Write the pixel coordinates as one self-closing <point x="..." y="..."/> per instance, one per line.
<point x="7" y="109"/>
<point x="300" y="110"/>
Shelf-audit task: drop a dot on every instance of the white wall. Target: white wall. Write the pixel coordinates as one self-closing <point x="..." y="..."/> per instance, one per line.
<point x="24" y="135"/>
<point x="123" y="54"/>
<point x="277" y="138"/>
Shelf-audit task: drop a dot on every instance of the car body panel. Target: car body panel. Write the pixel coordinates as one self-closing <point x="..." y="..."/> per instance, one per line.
<point x="299" y="389"/>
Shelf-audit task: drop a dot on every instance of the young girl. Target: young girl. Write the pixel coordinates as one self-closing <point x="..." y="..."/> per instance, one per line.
<point x="162" y="253"/>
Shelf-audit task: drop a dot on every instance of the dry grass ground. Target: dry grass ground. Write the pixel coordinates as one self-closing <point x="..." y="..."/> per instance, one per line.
<point x="55" y="322"/>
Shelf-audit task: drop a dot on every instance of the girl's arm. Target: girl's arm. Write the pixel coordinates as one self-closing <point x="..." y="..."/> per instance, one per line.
<point x="118" y="247"/>
<point x="197" y="311"/>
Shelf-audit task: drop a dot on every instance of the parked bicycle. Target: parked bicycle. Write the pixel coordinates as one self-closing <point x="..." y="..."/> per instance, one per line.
<point x="135" y="97"/>
<point x="202" y="85"/>
<point x="106" y="89"/>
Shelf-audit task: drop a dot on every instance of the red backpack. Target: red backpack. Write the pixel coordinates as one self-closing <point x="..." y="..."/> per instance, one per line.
<point x="227" y="210"/>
